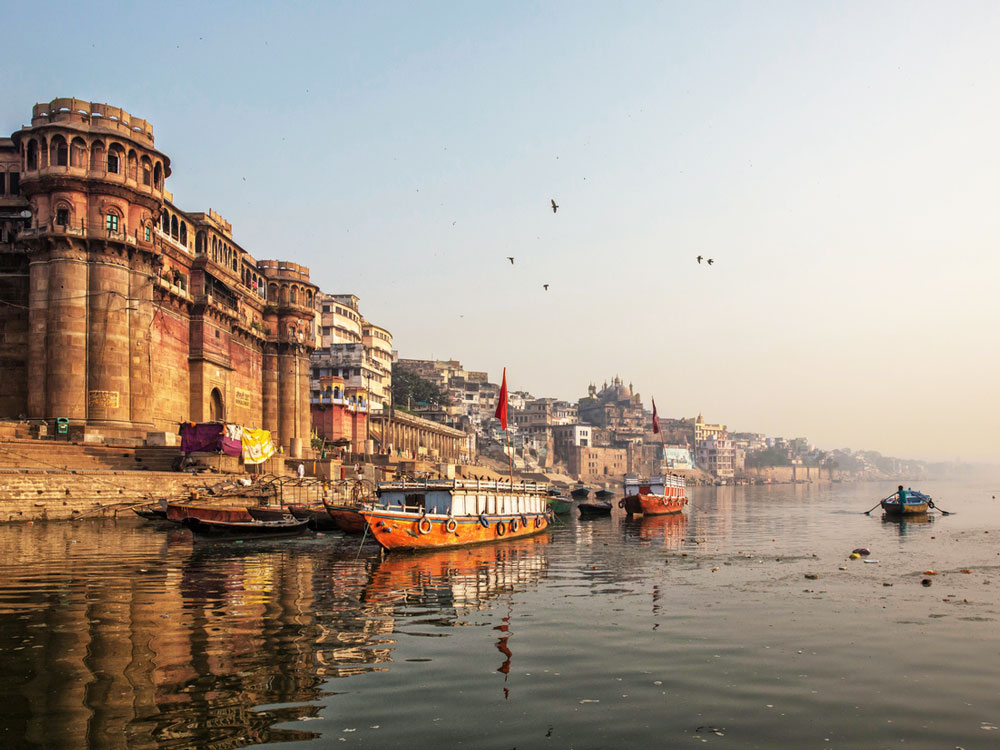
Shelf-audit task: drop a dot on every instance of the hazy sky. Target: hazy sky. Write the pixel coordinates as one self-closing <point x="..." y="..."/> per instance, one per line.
<point x="840" y="161"/>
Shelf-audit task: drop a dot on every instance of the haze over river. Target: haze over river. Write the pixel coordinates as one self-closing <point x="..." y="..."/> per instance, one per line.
<point x="611" y="633"/>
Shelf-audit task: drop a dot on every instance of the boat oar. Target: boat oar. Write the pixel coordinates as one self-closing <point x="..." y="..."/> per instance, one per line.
<point x="942" y="511"/>
<point x="878" y="504"/>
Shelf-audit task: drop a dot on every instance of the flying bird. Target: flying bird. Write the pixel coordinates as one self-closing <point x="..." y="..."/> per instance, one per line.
<point x="510" y="259"/>
<point x="710" y="261"/>
<point x="555" y="206"/>
<point x="699" y="259"/>
<point x="546" y="287"/>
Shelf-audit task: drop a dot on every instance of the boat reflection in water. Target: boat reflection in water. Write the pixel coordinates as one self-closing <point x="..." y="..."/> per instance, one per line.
<point x="908" y="523"/>
<point x="666" y="530"/>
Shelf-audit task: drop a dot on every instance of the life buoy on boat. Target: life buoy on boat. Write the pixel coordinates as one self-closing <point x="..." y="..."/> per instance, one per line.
<point x="513" y="525"/>
<point x="538" y="521"/>
<point x="451" y="525"/>
<point x="501" y="529"/>
<point x="524" y="521"/>
<point x="484" y="521"/>
<point x="621" y="503"/>
<point x="424" y="529"/>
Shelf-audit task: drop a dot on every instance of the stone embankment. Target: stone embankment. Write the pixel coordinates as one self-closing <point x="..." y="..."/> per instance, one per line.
<point x="55" y="494"/>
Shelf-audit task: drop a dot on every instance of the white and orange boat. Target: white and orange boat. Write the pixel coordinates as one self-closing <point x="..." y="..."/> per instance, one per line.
<point x="654" y="496"/>
<point x="431" y="514"/>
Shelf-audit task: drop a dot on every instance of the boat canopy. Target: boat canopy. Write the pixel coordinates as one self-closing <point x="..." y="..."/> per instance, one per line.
<point x="653" y="485"/>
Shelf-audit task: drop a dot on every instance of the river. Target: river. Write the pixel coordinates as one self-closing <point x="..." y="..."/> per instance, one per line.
<point x="742" y="623"/>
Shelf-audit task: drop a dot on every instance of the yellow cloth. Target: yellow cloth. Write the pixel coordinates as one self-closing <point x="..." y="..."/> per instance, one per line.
<point x="257" y="446"/>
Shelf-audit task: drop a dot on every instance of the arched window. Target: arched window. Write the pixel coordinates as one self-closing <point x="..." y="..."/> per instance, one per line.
<point x="32" y="156"/>
<point x="272" y="292"/>
<point x="158" y="176"/>
<point x="184" y="234"/>
<point x="116" y="158"/>
<point x="62" y="214"/>
<point x="43" y="154"/>
<point x="133" y="166"/>
<point x="309" y="298"/>
<point x="59" y="153"/>
<point x="173" y="227"/>
<point x="199" y="242"/>
<point x="78" y="153"/>
<point x="165" y="222"/>
<point x="147" y="171"/>
<point x="294" y="296"/>
<point x="217" y="411"/>
<point x="112" y="221"/>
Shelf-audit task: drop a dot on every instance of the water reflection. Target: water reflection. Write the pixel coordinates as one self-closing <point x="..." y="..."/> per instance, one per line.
<point x="169" y="644"/>
<point x="666" y="531"/>
<point x="909" y="524"/>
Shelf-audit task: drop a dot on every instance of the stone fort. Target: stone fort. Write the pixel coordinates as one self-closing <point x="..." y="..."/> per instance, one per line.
<point x="125" y="314"/>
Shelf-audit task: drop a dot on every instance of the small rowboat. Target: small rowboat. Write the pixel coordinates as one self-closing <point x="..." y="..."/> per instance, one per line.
<point x="560" y="504"/>
<point x="604" y="494"/>
<point x="580" y="493"/>
<point x="594" y="508"/>
<point x="153" y="512"/>
<point x="245" y="529"/>
<point x="907" y="503"/>
<point x="177" y="512"/>
<point x="655" y="496"/>
<point x="453" y="513"/>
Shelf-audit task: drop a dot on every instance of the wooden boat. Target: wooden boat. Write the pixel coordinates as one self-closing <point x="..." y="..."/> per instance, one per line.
<point x="580" y="493"/>
<point x="316" y="514"/>
<point x="177" y="512"/>
<point x="654" y="496"/>
<point x="245" y="529"/>
<point x="269" y="512"/>
<point x="913" y="503"/>
<point x="604" y="494"/>
<point x="433" y="514"/>
<point x="594" y="508"/>
<point x="152" y="512"/>
<point x="345" y="513"/>
<point x="560" y="504"/>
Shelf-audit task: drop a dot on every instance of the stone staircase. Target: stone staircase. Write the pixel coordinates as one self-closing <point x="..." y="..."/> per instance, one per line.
<point x="57" y="454"/>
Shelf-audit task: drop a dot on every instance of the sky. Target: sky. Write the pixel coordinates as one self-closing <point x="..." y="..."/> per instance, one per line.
<point x="838" y="161"/>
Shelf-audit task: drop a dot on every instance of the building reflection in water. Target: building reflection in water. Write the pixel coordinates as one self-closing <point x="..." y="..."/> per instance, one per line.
<point x="115" y="636"/>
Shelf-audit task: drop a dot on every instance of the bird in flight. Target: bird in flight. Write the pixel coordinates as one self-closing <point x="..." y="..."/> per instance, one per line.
<point x="546" y="287"/>
<point x="511" y="259"/>
<point x="699" y="259"/>
<point x="555" y="206"/>
<point x="710" y="261"/>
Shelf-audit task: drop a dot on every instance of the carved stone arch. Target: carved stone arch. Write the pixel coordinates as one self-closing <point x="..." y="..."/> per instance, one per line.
<point x="165" y="221"/>
<point x="183" y="237"/>
<point x="31" y="156"/>
<point x="174" y="231"/>
<point x="132" y="165"/>
<point x="78" y="153"/>
<point x="97" y="151"/>
<point x="58" y="151"/>
<point x="62" y="212"/>
<point x="293" y="295"/>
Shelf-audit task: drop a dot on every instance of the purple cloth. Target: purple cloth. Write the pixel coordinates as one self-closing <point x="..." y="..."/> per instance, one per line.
<point x="232" y="447"/>
<point x="201" y="437"/>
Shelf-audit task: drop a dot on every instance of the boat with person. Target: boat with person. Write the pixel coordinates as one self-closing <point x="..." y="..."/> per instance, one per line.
<point x="908" y="502"/>
<point x="436" y="513"/>
<point x="654" y="496"/>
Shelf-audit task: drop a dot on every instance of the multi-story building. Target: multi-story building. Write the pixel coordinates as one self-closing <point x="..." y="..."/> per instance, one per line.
<point x="591" y="464"/>
<point x="716" y="455"/>
<point x="616" y="409"/>
<point x="107" y="276"/>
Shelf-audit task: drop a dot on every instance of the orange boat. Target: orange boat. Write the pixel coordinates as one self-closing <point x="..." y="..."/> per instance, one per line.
<point x="654" y="496"/>
<point x="453" y="513"/>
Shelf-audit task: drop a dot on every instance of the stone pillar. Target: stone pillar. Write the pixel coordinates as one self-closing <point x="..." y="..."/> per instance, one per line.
<point x="269" y="385"/>
<point x="287" y="377"/>
<point x="108" y="361"/>
<point x="304" y="409"/>
<point x="38" y="304"/>
<point x="141" y="360"/>
<point x="66" y="342"/>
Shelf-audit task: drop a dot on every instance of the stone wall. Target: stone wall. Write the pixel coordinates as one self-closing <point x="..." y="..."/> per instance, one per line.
<point x="39" y="494"/>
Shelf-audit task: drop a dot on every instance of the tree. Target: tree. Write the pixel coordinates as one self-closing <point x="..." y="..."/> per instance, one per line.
<point x="409" y="388"/>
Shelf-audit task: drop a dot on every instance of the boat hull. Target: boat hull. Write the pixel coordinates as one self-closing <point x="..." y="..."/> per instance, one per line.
<point x="400" y="530"/>
<point x="560" y="505"/>
<point x="580" y="493"/>
<point x="348" y="520"/>
<point x="269" y="512"/>
<point x="592" y="508"/>
<point x="316" y="515"/>
<point x="652" y="505"/>
<point x="177" y="512"/>
<point x="245" y="529"/>
<point x="909" y="509"/>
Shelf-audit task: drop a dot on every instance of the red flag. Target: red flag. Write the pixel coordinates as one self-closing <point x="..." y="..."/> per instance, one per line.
<point x="656" y="422"/>
<point x="501" y="412"/>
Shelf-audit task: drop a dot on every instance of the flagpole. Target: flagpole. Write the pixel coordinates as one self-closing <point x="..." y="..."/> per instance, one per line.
<point x="510" y="456"/>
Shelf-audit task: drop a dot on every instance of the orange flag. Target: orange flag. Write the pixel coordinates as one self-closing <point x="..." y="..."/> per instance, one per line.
<point x="501" y="412"/>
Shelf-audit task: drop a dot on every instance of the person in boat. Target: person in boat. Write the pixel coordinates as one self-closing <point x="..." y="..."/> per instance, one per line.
<point x="901" y="493"/>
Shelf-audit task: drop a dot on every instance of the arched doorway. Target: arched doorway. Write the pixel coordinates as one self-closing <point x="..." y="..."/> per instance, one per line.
<point x="217" y="412"/>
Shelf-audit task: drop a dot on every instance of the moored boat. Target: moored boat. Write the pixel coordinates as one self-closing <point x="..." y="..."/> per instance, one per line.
<point x="177" y="512"/>
<point x="432" y="514"/>
<point x="152" y="512"/>
<point x="580" y="493"/>
<point x="315" y="514"/>
<point x="907" y="503"/>
<point x="245" y="529"/>
<point x="560" y="504"/>
<point x="269" y="512"/>
<point x="654" y="496"/>
<point x="603" y="494"/>
<point x="593" y="508"/>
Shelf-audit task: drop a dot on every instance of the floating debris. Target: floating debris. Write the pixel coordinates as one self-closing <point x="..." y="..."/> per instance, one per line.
<point x="925" y="582"/>
<point x="930" y="573"/>
<point x="812" y="576"/>
<point x="862" y="551"/>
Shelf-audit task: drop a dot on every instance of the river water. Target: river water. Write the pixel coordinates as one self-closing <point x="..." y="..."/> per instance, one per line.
<point x="611" y="633"/>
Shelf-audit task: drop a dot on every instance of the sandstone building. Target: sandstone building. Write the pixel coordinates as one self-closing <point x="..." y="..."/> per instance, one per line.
<point x="125" y="313"/>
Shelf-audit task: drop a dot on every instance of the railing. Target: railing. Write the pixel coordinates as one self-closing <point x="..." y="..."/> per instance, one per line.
<point x="477" y="485"/>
